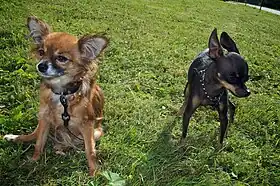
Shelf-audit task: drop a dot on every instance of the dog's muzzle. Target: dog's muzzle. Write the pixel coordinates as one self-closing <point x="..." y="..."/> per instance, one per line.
<point x="242" y="92"/>
<point x="47" y="70"/>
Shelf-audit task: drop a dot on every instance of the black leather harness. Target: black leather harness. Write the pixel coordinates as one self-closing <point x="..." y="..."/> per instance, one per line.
<point x="205" y="62"/>
<point x="64" y="102"/>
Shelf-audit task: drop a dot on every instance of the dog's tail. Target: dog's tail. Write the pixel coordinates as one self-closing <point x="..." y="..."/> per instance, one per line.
<point x="186" y="94"/>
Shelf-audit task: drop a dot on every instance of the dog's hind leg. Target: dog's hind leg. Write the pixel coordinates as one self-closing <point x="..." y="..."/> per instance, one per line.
<point x="191" y="106"/>
<point x="97" y="105"/>
<point x="87" y="131"/>
<point x="186" y="94"/>
<point x="22" y="138"/>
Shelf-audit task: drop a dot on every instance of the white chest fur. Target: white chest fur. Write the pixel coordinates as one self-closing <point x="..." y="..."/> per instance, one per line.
<point x="56" y="99"/>
<point x="56" y="108"/>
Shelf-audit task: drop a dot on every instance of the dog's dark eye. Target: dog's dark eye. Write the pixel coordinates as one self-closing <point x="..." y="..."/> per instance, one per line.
<point x="232" y="79"/>
<point x="41" y="52"/>
<point x="61" y="59"/>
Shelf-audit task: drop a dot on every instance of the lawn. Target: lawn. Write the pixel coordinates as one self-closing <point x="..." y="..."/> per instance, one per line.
<point x="143" y="74"/>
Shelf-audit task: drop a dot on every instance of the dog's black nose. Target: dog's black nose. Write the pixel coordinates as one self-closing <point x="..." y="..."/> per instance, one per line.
<point x="241" y="92"/>
<point x="247" y="93"/>
<point x="43" y="67"/>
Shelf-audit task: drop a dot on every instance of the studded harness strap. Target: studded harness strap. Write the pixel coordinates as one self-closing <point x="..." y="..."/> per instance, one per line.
<point x="215" y="99"/>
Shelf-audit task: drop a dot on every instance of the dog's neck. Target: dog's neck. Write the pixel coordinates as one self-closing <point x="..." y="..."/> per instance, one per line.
<point x="70" y="88"/>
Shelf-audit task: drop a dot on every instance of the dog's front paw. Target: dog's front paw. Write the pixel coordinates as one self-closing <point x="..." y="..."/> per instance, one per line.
<point x="182" y="142"/>
<point x="11" y="137"/>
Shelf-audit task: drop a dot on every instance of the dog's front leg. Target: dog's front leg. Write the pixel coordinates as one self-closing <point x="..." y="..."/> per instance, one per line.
<point x="231" y="111"/>
<point x="87" y="131"/>
<point x="42" y="134"/>
<point x="222" y="110"/>
<point x="192" y="104"/>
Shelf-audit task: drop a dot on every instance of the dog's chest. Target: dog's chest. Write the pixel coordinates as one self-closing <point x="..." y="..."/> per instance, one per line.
<point x="55" y="110"/>
<point x="55" y="99"/>
<point x="57" y="106"/>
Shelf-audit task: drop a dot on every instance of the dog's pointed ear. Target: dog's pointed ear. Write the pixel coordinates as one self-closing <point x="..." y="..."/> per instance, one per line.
<point x="228" y="43"/>
<point x="215" y="49"/>
<point x="91" y="46"/>
<point x="38" y="29"/>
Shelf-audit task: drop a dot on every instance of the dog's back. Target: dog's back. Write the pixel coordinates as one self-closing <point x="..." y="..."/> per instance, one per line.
<point x="201" y="62"/>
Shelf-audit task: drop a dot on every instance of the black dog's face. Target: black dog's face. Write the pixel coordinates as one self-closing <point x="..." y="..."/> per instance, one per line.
<point x="232" y="69"/>
<point x="232" y="72"/>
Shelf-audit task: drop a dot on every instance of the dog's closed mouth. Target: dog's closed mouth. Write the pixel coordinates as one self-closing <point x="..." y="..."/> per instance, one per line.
<point x="45" y="76"/>
<point x="240" y="93"/>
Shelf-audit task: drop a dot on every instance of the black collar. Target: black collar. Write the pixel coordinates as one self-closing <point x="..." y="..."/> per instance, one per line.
<point x="70" y="90"/>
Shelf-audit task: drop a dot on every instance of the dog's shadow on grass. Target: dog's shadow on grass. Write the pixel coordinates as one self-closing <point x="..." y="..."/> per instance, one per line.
<point x="168" y="158"/>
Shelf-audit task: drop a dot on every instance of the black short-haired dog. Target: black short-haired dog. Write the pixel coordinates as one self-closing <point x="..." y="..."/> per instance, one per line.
<point x="210" y="75"/>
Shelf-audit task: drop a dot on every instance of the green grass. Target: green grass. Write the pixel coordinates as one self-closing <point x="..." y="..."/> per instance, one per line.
<point x="143" y="74"/>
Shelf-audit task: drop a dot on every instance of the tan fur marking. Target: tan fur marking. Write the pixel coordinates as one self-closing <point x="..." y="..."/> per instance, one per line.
<point x="228" y="86"/>
<point x="196" y="100"/>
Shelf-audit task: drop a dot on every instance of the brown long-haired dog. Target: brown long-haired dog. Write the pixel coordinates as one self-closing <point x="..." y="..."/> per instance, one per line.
<point x="71" y="103"/>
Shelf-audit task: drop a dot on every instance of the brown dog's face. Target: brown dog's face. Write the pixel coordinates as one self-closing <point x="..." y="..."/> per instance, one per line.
<point x="63" y="59"/>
